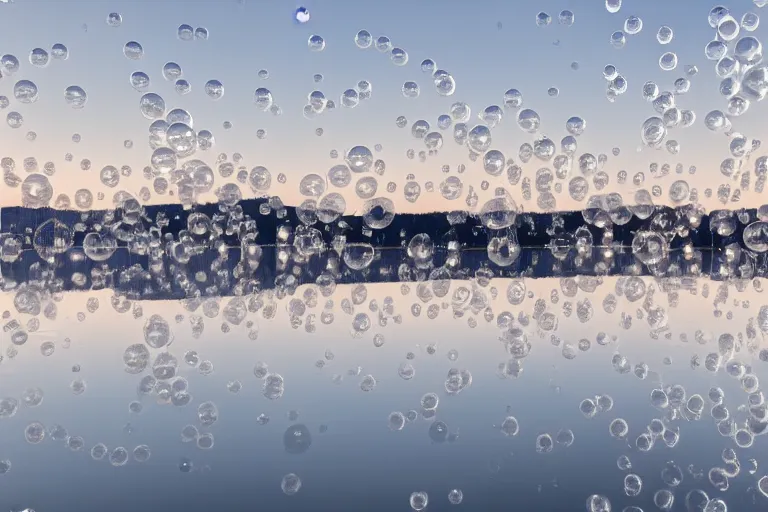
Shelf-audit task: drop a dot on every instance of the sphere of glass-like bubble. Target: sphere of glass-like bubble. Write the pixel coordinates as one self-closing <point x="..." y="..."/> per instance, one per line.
<point x="290" y="484"/>
<point x="653" y="132"/>
<point x="633" y="25"/>
<point x="363" y="39"/>
<point x="633" y="484"/>
<point x="455" y="496"/>
<point x="419" y="501"/>
<point x="668" y="61"/>
<point x="613" y="6"/>
<point x="528" y="120"/>
<point x="598" y="503"/>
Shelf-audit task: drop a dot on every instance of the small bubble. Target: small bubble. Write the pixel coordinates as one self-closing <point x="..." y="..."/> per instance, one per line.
<point x="316" y="43"/>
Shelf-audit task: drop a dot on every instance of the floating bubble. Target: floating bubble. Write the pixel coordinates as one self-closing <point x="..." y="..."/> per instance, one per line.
<point x="75" y="96"/>
<point x="316" y="43"/>
<point x="301" y="15"/>
<point x="419" y="500"/>
<point x="214" y="89"/>
<point x="133" y="50"/>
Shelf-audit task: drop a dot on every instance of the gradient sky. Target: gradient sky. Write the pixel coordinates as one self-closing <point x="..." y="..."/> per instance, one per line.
<point x="464" y="39"/>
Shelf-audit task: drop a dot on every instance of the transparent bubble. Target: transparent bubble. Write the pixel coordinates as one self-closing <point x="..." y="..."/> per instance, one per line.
<point x="612" y="6"/>
<point x="214" y="89"/>
<point x="664" y="499"/>
<point x="445" y="85"/>
<point x="419" y="501"/>
<point x="633" y="25"/>
<point x="171" y="71"/>
<point x="290" y="484"/>
<point x="152" y="106"/>
<point x="664" y="35"/>
<point x="133" y="50"/>
<point x="543" y="19"/>
<point x="139" y="81"/>
<point x="75" y="96"/>
<point x="633" y="484"/>
<point x="513" y="99"/>
<point x="25" y="91"/>
<point x="363" y="39"/>
<point x="316" y="43"/>
<point x="410" y="90"/>
<point x="399" y="57"/>
<point x="668" y="61"/>
<point x="528" y="120"/>
<point x="597" y="502"/>
<point x="114" y="19"/>
<point x="9" y="63"/>
<point x="618" y="39"/>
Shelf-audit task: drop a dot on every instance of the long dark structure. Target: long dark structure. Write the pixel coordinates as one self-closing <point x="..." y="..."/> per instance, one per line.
<point x="700" y="245"/>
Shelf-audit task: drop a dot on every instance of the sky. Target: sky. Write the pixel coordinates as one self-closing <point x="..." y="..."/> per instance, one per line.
<point x="485" y="60"/>
<point x="488" y="46"/>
